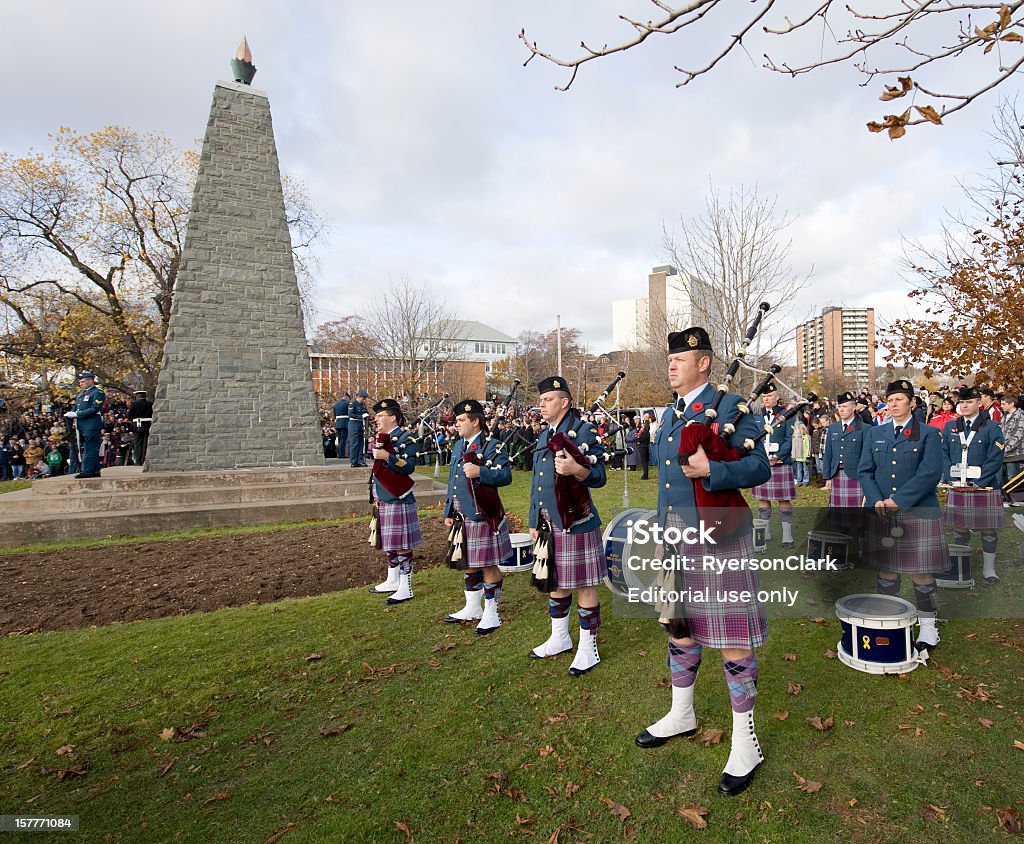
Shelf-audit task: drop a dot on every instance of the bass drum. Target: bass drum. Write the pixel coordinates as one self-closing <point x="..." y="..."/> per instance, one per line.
<point x="625" y="575"/>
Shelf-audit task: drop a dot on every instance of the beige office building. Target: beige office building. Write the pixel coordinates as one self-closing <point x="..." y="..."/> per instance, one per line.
<point x="841" y="340"/>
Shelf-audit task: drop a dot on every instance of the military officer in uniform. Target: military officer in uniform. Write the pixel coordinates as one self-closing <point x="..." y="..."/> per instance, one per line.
<point x="341" y="422"/>
<point x="900" y="469"/>
<point x="140" y="414"/>
<point x="972" y="453"/>
<point x="398" y="522"/>
<point x="486" y="546"/>
<point x="88" y="416"/>
<point x="780" y="486"/>
<point x="843" y="443"/>
<point x="578" y="551"/>
<point x="735" y="627"/>
<point x="357" y="416"/>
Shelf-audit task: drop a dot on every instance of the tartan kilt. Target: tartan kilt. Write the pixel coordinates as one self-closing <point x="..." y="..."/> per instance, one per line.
<point x="981" y="510"/>
<point x="845" y="502"/>
<point x="922" y="549"/>
<point x="779" y="487"/>
<point x="485" y="547"/>
<point x="399" y="525"/>
<point x="579" y="557"/>
<point x="717" y="624"/>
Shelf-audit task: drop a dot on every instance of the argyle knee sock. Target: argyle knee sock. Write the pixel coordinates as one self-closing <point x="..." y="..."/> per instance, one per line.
<point x="404" y="562"/>
<point x="926" y="596"/>
<point x="684" y="663"/>
<point x="765" y="514"/>
<point x="590" y="618"/>
<point x="559" y="607"/>
<point x="888" y="586"/>
<point x="787" y="525"/>
<point x="961" y="537"/>
<point x="392" y="559"/>
<point x="490" y="591"/>
<point x="741" y="676"/>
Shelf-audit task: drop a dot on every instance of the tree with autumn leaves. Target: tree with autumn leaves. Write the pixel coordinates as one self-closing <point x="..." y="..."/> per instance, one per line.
<point x="91" y="239"/>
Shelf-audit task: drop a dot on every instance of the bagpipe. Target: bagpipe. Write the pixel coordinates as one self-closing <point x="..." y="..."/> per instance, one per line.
<point x="728" y="505"/>
<point x="485" y="497"/>
<point x="426" y="431"/>
<point x="394" y="482"/>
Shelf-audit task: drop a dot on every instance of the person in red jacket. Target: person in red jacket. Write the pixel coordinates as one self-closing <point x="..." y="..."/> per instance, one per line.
<point x="946" y="414"/>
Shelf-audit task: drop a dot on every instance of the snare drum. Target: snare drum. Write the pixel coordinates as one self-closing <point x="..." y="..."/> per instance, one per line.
<point x="522" y="554"/>
<point x="877" y="634"/>
<point x="822" y="545"/>
<point x="760" y="534"/>
<point x="958" y="575"/>
<point x="624" y="571"/>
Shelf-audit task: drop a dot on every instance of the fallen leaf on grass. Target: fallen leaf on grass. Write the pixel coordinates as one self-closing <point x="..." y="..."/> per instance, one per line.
<point x="628" y="831"/>
<point x="67" y="773"/>
<point x="985" y="723"/>
<point x="167" y="733"/>
<point x="326" y="731"/>
<point x="277" y="836"/>
<point x="782" y="716"/>
<point x="443" y="646"/>
<point x="820" y="725"/>
<point x="617" y="809"/>
<point x="931" y="812"/>
<point x="547" y="750"/>
<point x="830" y="654"/>
<point x="663" y="683"/>
<point x="403" y="828"/>
<point x="167" y="767"/>
<point x="67" y="750"/>
<point x="24" y="765"/>
<point x="523" y="821"/>
<point x="557" y="719"/>
<point x="1009" y="820"/>
<point x="710" y="736"/>
<point x="806" y="786"/>
<point x="794" y="688"/>
<point x="499" y="778"/>
<point x="1018" y="744"/>
<point x="220" y="795"/>
<point x="789" y="657"/>
<point x="313" y="658"/>
<point x="818" y="620"/>
<point x="694" y="814"/>
<point x="570" y="789"/>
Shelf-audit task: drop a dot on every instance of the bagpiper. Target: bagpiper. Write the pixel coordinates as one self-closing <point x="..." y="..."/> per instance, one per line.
<point x="780" y="486"/>
<point x="395" y="525"/>
<point x="844" y="441"/>
<point x="479" y="540"/>
<point x="972" y="454"/>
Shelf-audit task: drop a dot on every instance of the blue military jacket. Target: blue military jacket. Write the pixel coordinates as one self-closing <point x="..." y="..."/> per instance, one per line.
<point x="843" y="448"/>
<point x="341" y="413"/>
<point x="782" y="436"/>
<point x="89" y="408"/>
<point x="906" y="468"/>
<point x="495" y="471"/>
<point x="356" y="413"/>
<point x="675" y="490"/>
<point x="542" y="489"/>
<point x="985" y="449"/>
<point x="403" y="461"/>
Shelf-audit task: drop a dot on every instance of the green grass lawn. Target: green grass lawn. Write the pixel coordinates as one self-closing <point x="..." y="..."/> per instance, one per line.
<point x="11" y="486"/>
<point x="336" y="719"/>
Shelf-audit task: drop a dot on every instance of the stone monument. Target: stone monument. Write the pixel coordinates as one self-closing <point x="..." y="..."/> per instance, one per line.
<point x="235" y="389"/>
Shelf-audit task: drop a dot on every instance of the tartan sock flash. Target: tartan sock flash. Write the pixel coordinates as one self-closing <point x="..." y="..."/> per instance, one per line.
<point x="741" y="676"/>
<point x="490" y="591"/>
<point x="590" y="618"/>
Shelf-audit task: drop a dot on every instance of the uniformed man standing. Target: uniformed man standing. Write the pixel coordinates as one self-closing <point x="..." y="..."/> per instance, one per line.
<point x="737" y="626"/>
<point x="780" y="487"/>
<point x="578" y="551"/>
<point x="88" y="416"/>
<point x="975" y="501"/>
<point x="843" y="443"/>
<point x="357" y="416"/>
<point x="900" y="469"/>
<point x="341" y="422"/>
<point x="140" y="414"/>
<point x="479" y="457"/>
<point x="398" y="522"/>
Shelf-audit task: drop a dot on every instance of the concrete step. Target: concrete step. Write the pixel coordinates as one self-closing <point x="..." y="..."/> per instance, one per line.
<point x="18" y="530"/>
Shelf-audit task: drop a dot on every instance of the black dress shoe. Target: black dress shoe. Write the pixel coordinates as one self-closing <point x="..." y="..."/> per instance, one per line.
<point x="393" y="600"/>
<point x="89" y="475"/>
<point x="730" y="786"/>
<point x="484" y="631"/>
<point x="647" y="741"/>
<point x="991" y="581"/>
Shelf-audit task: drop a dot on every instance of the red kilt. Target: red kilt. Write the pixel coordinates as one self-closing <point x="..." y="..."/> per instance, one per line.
<point x="922" y="549"/>
<point x="714" y="623"/>
<point x="485" y="547"/>
<point x="579" y="557"/>
<point x="845" y="502"/>
<point x="779" y="487"/>
<point x="399" y="526"/>
<point x="981" y="510"/>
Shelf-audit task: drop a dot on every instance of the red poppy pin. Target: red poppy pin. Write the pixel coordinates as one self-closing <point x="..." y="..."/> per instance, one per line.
<point x="697" y="406"/>
<point x="906" y="432"/>
<point x="473" y="447"/>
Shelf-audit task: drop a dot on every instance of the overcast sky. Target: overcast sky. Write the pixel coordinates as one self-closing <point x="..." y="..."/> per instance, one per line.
<point x="436" y="155"/>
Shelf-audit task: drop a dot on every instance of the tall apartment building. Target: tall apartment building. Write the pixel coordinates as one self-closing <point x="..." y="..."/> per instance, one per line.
<point x="841" y="340"/>
<point x="673" y="299"/>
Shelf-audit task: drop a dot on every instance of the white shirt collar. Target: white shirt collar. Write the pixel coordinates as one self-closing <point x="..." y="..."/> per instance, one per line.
<point x="691" y="396"/>
<point x="902" y="424"/>
<point x="392" y="432"/>
<point x="972" y="419"/>
<point x="473" y="439"/>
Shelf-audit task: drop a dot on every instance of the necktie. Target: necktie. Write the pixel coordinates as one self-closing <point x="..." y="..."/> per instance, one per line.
<point x="849" y="428"/>
<point x="899" y="430"/>
<point x="967" y="425"/>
